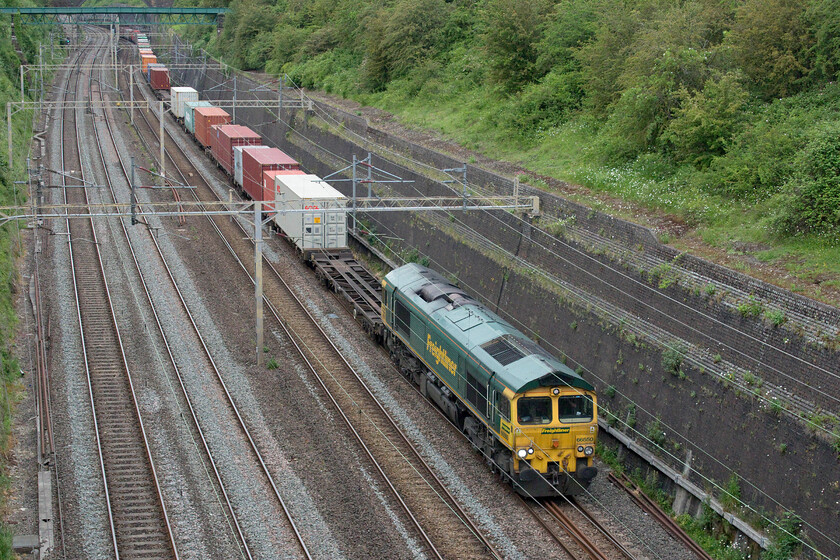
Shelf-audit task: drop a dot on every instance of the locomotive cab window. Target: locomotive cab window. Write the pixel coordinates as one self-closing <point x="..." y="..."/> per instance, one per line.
<point x="534" y="410"/>
<point x="575" y="408"/>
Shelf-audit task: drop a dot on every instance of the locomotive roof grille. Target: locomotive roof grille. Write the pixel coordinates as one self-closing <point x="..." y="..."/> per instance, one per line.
<point x="436" y="290"/>
<point x="507" y="349"/>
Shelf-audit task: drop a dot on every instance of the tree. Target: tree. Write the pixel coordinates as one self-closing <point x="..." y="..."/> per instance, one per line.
<point x="511" y="39"/>
<point x="813" y="205"/>
<point x="823" y="17"/>
<point x="770" y="39"/>
<point x="706" y="121"/>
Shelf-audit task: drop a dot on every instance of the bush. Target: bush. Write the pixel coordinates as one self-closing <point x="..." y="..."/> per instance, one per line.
<point x="786" y="542"/>
<point x="731" y="494"/>
<point x="672" y="359"/>
<point x="706" y="121"/>
<point x="813" y="195"/>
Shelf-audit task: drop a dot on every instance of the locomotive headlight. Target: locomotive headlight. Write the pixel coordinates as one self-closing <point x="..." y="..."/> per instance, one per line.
<point x="580" y="449"/>
<point x="522" y="453"/>
<point x="588" y="451"/>
<point x="555" y="391"/>
<point x="530" y="451"/>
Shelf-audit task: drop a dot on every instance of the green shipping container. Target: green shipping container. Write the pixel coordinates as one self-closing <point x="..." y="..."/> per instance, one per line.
<point x="189" y="113"/>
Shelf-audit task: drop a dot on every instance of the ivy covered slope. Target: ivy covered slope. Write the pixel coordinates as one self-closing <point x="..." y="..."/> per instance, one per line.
<point x="28" y="38"/>
<point x="722" y="113"/>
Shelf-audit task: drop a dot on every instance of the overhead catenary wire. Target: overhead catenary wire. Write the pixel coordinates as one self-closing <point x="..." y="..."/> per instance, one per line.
<point x="420" y="163"/>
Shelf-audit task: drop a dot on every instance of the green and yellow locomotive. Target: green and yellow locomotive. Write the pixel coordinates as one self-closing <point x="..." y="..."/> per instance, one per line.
<point x="532" y="417"/>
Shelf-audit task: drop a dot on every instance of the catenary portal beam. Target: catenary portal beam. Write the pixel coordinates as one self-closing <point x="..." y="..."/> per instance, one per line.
<point x="125" y="15"/>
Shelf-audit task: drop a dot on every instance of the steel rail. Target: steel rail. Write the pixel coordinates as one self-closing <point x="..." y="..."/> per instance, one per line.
<point x="78" y="56"/>
<point x="454" y="503"/>
<point x="534" y="511"/>
<point x="167" y="346"/>
<point x="643" y="501"/>
<point x="120" y="531"/>
<point x="574" y="531"/>
<point x="599" y="526"/>
<point x="218" y="374"/>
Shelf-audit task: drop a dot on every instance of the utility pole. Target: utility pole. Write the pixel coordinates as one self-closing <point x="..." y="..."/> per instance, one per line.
<point x="516" y="190"/>
<point x="162" y="160"/>
<point x="21" y="83"/>
<point x="41" y="69"/>
<point x="131" y="90"/>
<point x="463" y="171"/>
<point x="279" y="95"/>
<point x="133" y="196"/>
<point x="370" y="176"/>
<point x="116" y="44"/>
<point x="234" y="98"/>
<point x="258" y="288"/>
<point x="9" y="124"/>
<point x="355" y="180"/>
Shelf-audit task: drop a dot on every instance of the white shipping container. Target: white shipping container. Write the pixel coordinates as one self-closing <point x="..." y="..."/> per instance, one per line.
<point x="181" y="95"/>
<point x="237" y="162"/>
<point x="324" y="223"/>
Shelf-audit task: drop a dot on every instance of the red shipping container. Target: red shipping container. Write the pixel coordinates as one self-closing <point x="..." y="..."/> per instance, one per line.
<point x="204" y="118"/>
<point x="255" y="162"/>
<point x="159" y="78"/>
<point x="270" y="190"/>
<point x="223" y="137"/>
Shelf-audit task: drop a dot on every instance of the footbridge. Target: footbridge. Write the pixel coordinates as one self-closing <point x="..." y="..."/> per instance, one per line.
<point x="117" y="15"/>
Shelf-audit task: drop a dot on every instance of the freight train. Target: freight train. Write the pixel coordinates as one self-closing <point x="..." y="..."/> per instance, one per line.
<point x="533" y="418"/>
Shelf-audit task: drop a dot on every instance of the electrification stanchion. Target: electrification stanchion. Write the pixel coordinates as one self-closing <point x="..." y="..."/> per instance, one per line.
<point x="258" y="288"/>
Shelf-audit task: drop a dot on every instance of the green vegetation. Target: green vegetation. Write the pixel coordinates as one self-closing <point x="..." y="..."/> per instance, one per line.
<point x="28" y="38"/>
<point x="751" y="308"/>
<point x="672" y="360"/>
<point x="724" y="114"/>
<point x="731" y="498"/>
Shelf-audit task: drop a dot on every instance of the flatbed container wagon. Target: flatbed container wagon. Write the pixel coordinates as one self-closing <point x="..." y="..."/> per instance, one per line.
<point x="254" y="161"/>
<point x="159" y="77"/>
<point x="204" y="119"/>
<point x="224" y="137"/>
<point x="180" y="95"/>
<point x="189" y="114"/>
<point x="322" y="224"/>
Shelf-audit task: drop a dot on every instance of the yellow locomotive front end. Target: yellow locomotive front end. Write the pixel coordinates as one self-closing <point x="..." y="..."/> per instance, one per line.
<point x="553" y="436"/>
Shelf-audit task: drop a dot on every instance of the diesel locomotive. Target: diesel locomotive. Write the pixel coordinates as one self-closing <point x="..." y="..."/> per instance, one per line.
<point x="531" y="416"/>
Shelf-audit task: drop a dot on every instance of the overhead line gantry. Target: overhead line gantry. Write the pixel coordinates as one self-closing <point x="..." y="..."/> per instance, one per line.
<point x="118" y="15"/>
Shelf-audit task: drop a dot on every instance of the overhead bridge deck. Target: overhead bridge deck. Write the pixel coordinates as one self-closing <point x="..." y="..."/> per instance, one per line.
<point x="118" y="15"/>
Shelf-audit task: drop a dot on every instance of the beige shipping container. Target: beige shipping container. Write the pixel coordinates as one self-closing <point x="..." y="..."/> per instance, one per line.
<point x="319" y="222"/>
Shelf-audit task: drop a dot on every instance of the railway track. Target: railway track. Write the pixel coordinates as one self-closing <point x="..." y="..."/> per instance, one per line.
<point x="137" y="517"/>
<point x="570" y="521"/>
<point x="295" y="539"/>
<point x="440" y="521"/>
<point x="652" y="508"/>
